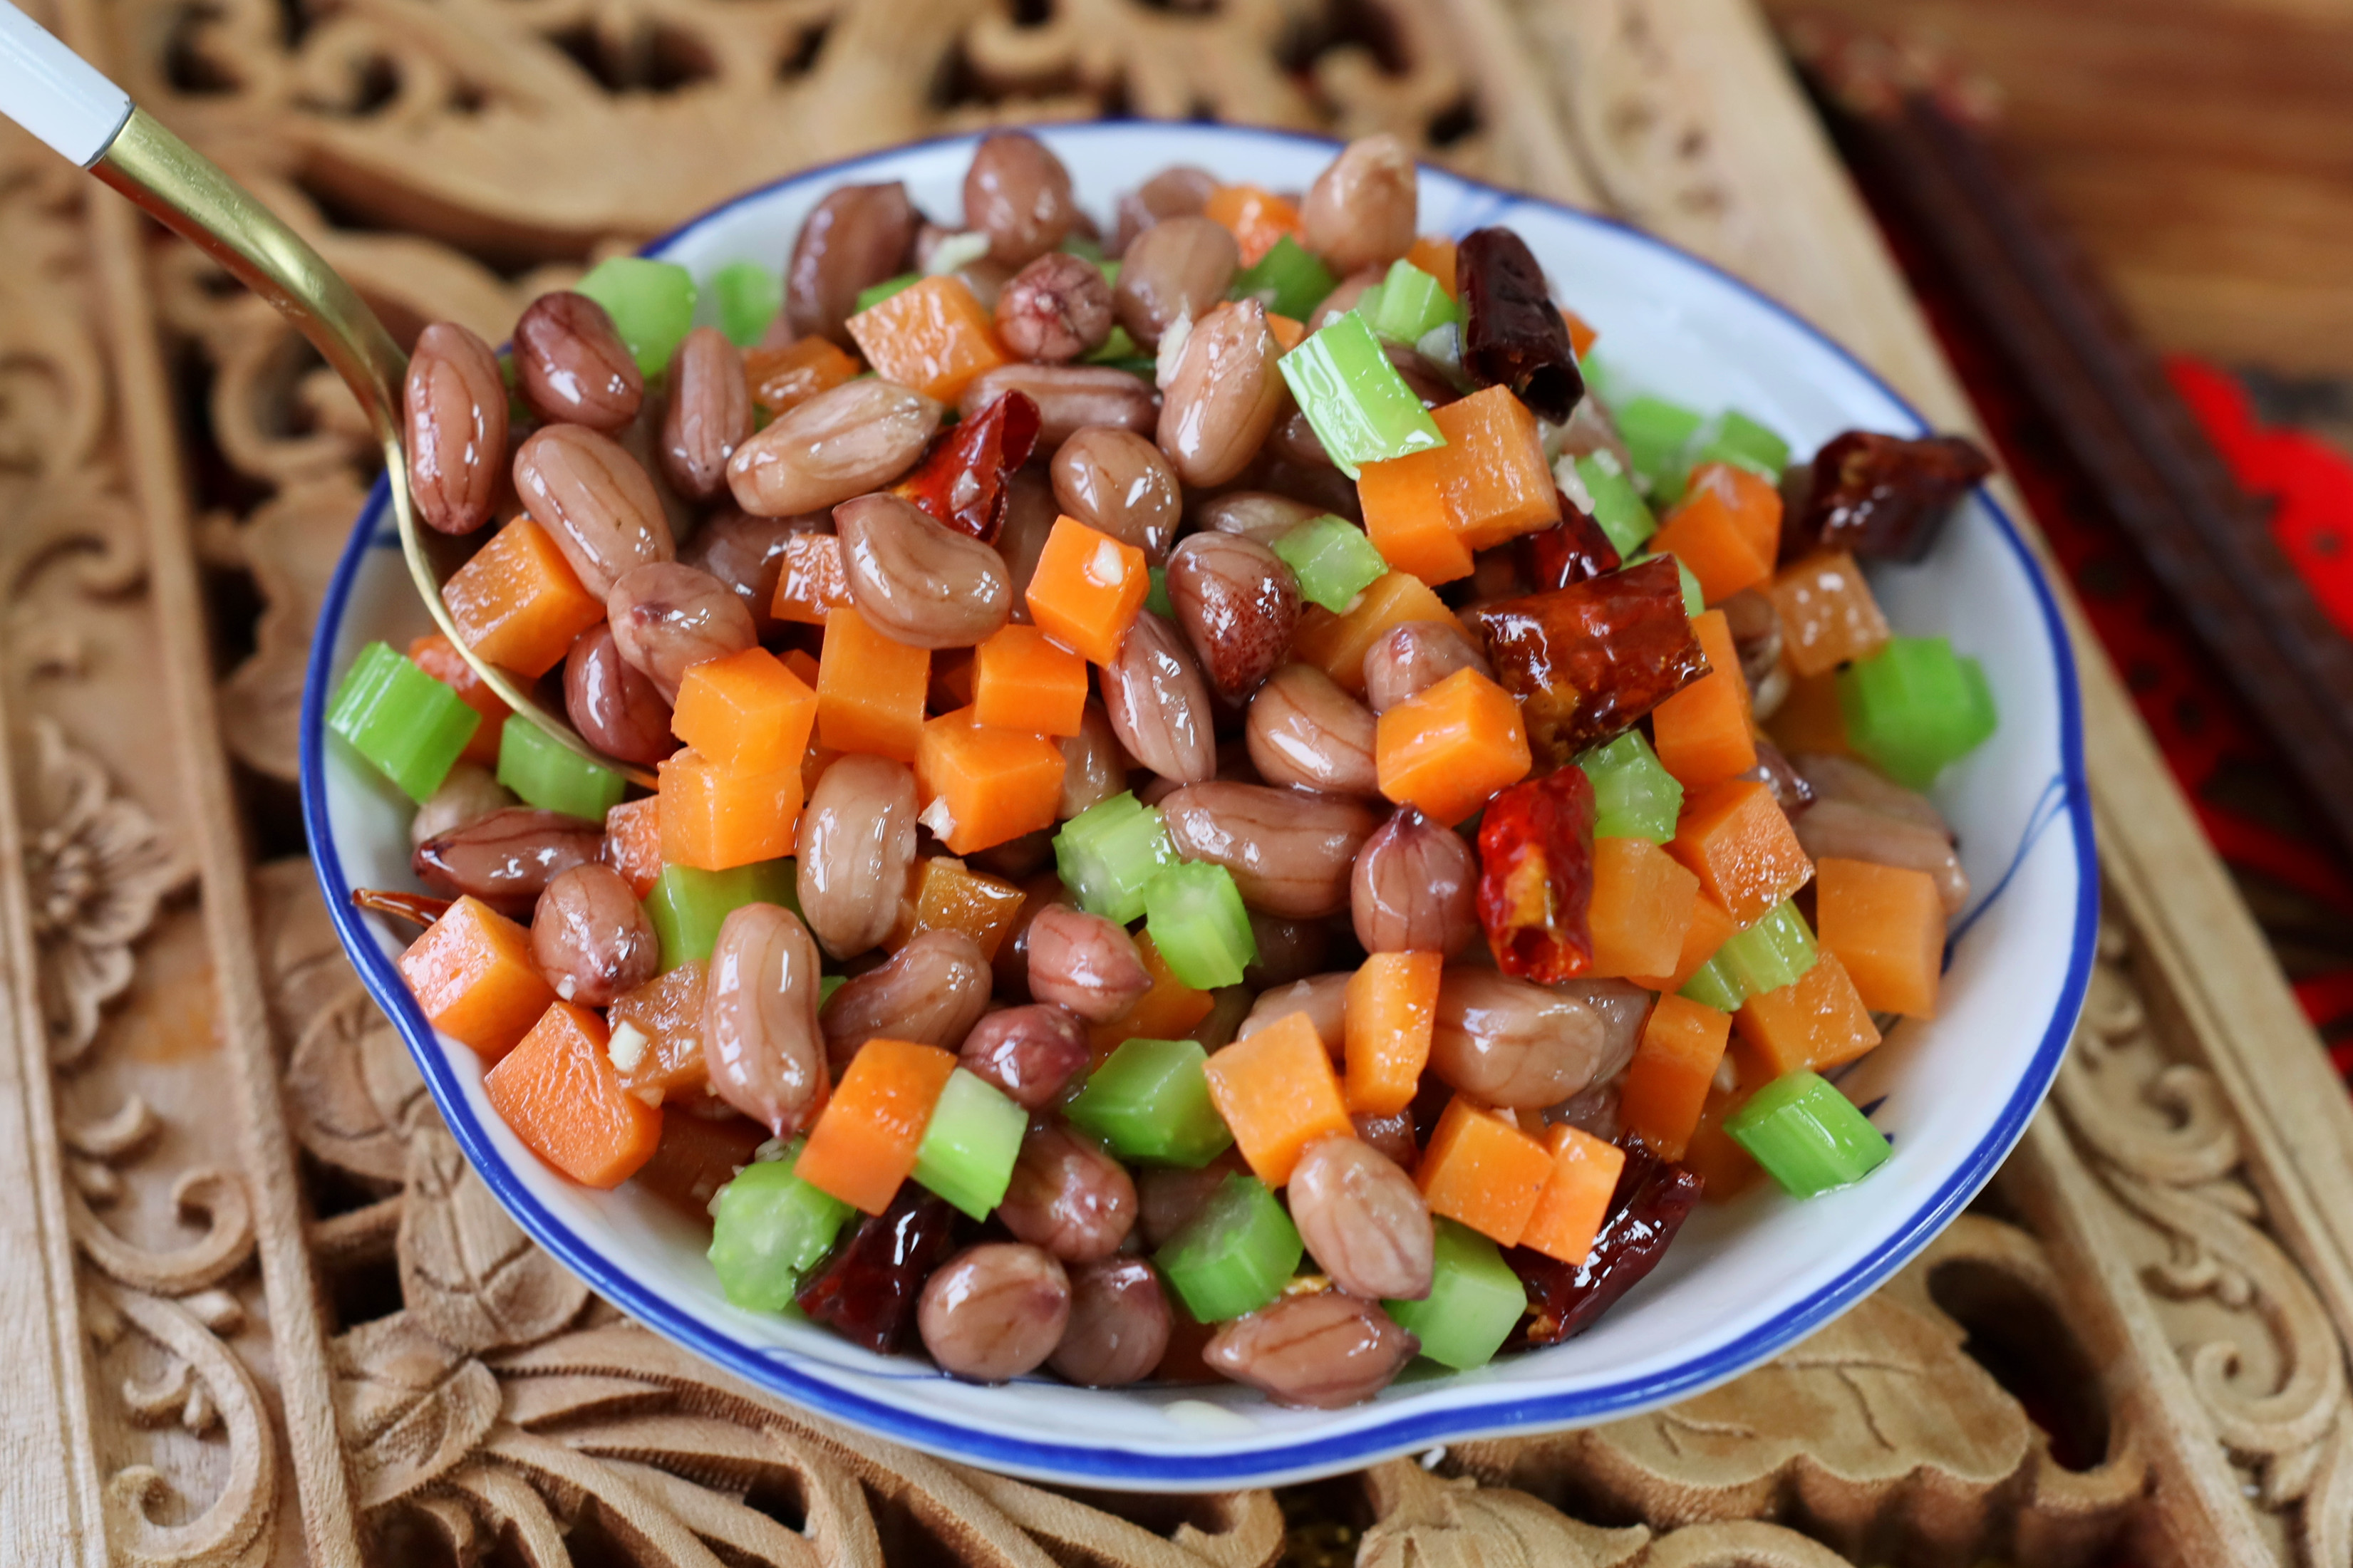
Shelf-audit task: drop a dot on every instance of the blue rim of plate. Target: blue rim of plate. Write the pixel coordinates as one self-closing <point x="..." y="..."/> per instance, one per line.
<point x="1282" y="1456"/>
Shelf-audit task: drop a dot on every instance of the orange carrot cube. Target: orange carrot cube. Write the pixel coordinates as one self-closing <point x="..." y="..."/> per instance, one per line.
<point x="474" y="977"/>
<point x="713" y="817"/>
<point x="438" y="657"/>
<point x="1827" y="616"/>
<point x="781" y="380"/>
<point x="1748" y="859"/>
<point x="747" y="713"/>
<point x="1024" y="679"/>
<point x="1335" y="644"/>
<point x="863" y="1143"/>
<point x="1256" y="217"/>
<point x="559" y="1092"/>
<point x="1642" y="905"/>
<point x="1581" y="333"/>
<point x="1434" y="254"/>
<point x="803" y="664"/>
<point x="1715" y="542"/>
<point x="1709" y="930"/>
<point x="1886" y="923"/>
<point x="1482" y="1171"/>
<point x="1288" y="333"/>
<point x="1171" y="1010"/>
<point x="1666" y="1084"/>
<point x="1391" y="1010"/>
<point x="633" y="842"/>
<point x="1451" y="748"/>
<point x="1810" y="718"/>
<point x="869" y="690"/>
<point x="1488" y="483"/>
<point x="1088" y="588"/>
<point x="1407" y="519"/>
<point x="1725" y="1170"/>
<point x="1818" y="1023"/>
<point x="657" y="1040"/>
<point x="1574" y="1202"/>
<point x="1752" y="499"/>
<point x="945" y="894"/>
<point x="1703" y="733"/>
<point x="811" y="583"/>
<point x="1278" y="1093"/>
<point x="932" y="338"/>
<point x="517" y="603"/>
<point x="981" y="786"/>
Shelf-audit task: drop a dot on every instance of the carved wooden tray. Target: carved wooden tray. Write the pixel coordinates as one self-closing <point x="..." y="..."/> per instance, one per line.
<point x="259" y="1312"/>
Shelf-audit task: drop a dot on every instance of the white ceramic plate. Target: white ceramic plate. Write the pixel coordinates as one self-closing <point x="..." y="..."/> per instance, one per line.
<point x="1745" y="1281"/>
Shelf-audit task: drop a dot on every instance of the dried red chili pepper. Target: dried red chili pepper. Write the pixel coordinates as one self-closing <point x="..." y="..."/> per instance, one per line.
<point x="1651" y="1201"/>
<point x="1881" y="497"/>
<point x="1513" y="335"/>
<point x="1571" y="551"/>
<point x="962" y="480"/>
<point x="419" y="908"/>
<point x="866" y="1287"/>
<point x="1590" y="660"/>
<point x="1535" y="877"/>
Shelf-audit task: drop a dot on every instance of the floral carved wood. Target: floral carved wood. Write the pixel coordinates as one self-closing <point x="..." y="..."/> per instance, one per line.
<point x="269" y="1315"/>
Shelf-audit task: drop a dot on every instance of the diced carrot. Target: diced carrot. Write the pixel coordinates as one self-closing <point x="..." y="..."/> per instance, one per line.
<point x="1818" y="1023"/>
<point x="1642" y="905"/>
<point x="1575" y="1197"/>
<point x="989" y="784"/>
<point x="633" y="842"/>
<point x="1024" y="679"/>
<point x="1256" y="217"/>
<point x="1734" y="836"/>
<point x="811" y="583"/>
<point x="1434" y="254"/>
<point x="869" y="690"/>
<point x="1278" y="1093"/>
<point x="747" y="713"/>
<point x="517" y="602"/>
<point x="474" y="977"/>
<point x="1448" y="750"/>
<point x="1491" y="476"/>
<point x="1335" y="644"/>
<point x="1827" y="616"/>
<point x="1171" y="1010"/>
<point x="1886" y="923"/>
<point x="1483" y="1172"/>
<point x="863" y="1143"/>
<point x="1088" y="588"/>
<point x="1406" y="519"/>
<point x="557" y="1091"/>
<point x="1705" y="534"/>
<point x="1392" y="1007"/>
<point x="801" y="662"/>
<point x="814" y="762"/>
<point x="945" y="894"/>
<point x="656" y="1044"/>
<point x="1710" y="928"/>
<point x="781" y="380"/>
<point x="1581" y="335"/>
<point x="932" y="338"/>
<point x="1725" y="1170"/>
<point x="438" y="657"/>
<point x="1753" y="500"/>
<point x="1703" y="733"/>
<point x="1288" y="333"/>
<point x="1666" y="1084"/>
<point x="1810" y="718"/>
<point x="713" y="819"/>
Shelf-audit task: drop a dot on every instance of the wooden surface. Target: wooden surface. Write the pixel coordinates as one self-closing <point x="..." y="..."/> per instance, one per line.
<point x="260" y="1312"/>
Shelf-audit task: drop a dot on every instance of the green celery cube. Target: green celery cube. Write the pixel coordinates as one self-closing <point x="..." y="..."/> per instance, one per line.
<point x="1409" y="303"/>
<point x="1713" y="985"/>
<point x="1634" y="796"/>
<point x="1916" y="706"/>
<point x="651" y="304"/>
<point x="1235" y="1256"/>
<point x="1117" y="347"/>
<point x="1333" y="561"/>
<point x="1108" y="853"/>
<point x="1150" y="1101"/>
<point x="545" y="772"/>
<point x="1288" y="279"/>
<point x="1157" y="601"/>
<point x="748" y="297"/>
<point x="768" y="1227"/>
<point x="1655" y="432"/>
<point x="1737" y="440"/>
<point x="1194" y="915"/>
<point x="1361" y="408"/>
<point x="410" y="727"/>
<point x="1609" y="494"/>
<point x="1808" y="1137"/>
<point x="967" y="1153"/>
<point x="868" y="297"/>
<point x="1474" y="1301"/>
<point x="826" y="984"/>
<point x="1777" y="951"/>
<point x="687" y="905"/>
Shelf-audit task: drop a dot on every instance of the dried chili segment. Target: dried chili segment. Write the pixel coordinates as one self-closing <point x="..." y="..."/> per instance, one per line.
<point x="1881" y="497"/>
<point x="963" y="480"/>
<point x="1535" y="877"/>
<point x="1513" y="335"/>
<point x="1586" y="661"/>
<point x="1573" y="551"/>
<point x="1648" y="1208"/>
<point x="866" y="1291"/>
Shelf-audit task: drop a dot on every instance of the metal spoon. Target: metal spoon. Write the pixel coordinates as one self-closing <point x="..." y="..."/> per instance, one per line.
<point x="67" y="103"/>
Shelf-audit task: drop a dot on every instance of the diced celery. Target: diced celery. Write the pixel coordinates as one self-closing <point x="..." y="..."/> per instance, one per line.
<point x="1235" y="1256"/>
<point x="687" y="905"/>
<point x="1914" y="707"/>
<point x="1361" y="408"/>
<point x="1655" y="432"/>
<point x="748" y="297"/>
<point x="1604" y="490"/>
<point x="768" y="1227"/>
<point x="1116" y="347"/>
<point x="1080" y="245"/>
<point x="1407" y="303"/>
<point x="1713" y="984"/>
<point x="1634" y="796"/>
<point x="826" y="984"/>
<point x="545" y="772"/>
<point x="1194" y="915"/>
<point x="1734" y="438"/>
<point x="967" y="1153"/>
<point x="874" y="294"/>
<point x="1288" y="279"/>
<point x="1110" y="269"/>
<point x="651" y="304"/>
<point x="1109" y="852"/>
<point x="1808" y="1137"/>
<point x="1333" y="561"/>
<point x="1474" y="1301"/>
<point x="409" y="726"/>
<point x="1157" y="601"/>
<point x="1776" y="951"/>
<point x="1150" y="1101"/>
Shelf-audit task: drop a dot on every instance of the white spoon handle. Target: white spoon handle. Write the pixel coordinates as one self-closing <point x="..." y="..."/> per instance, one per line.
<point x="54" y="93"/>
